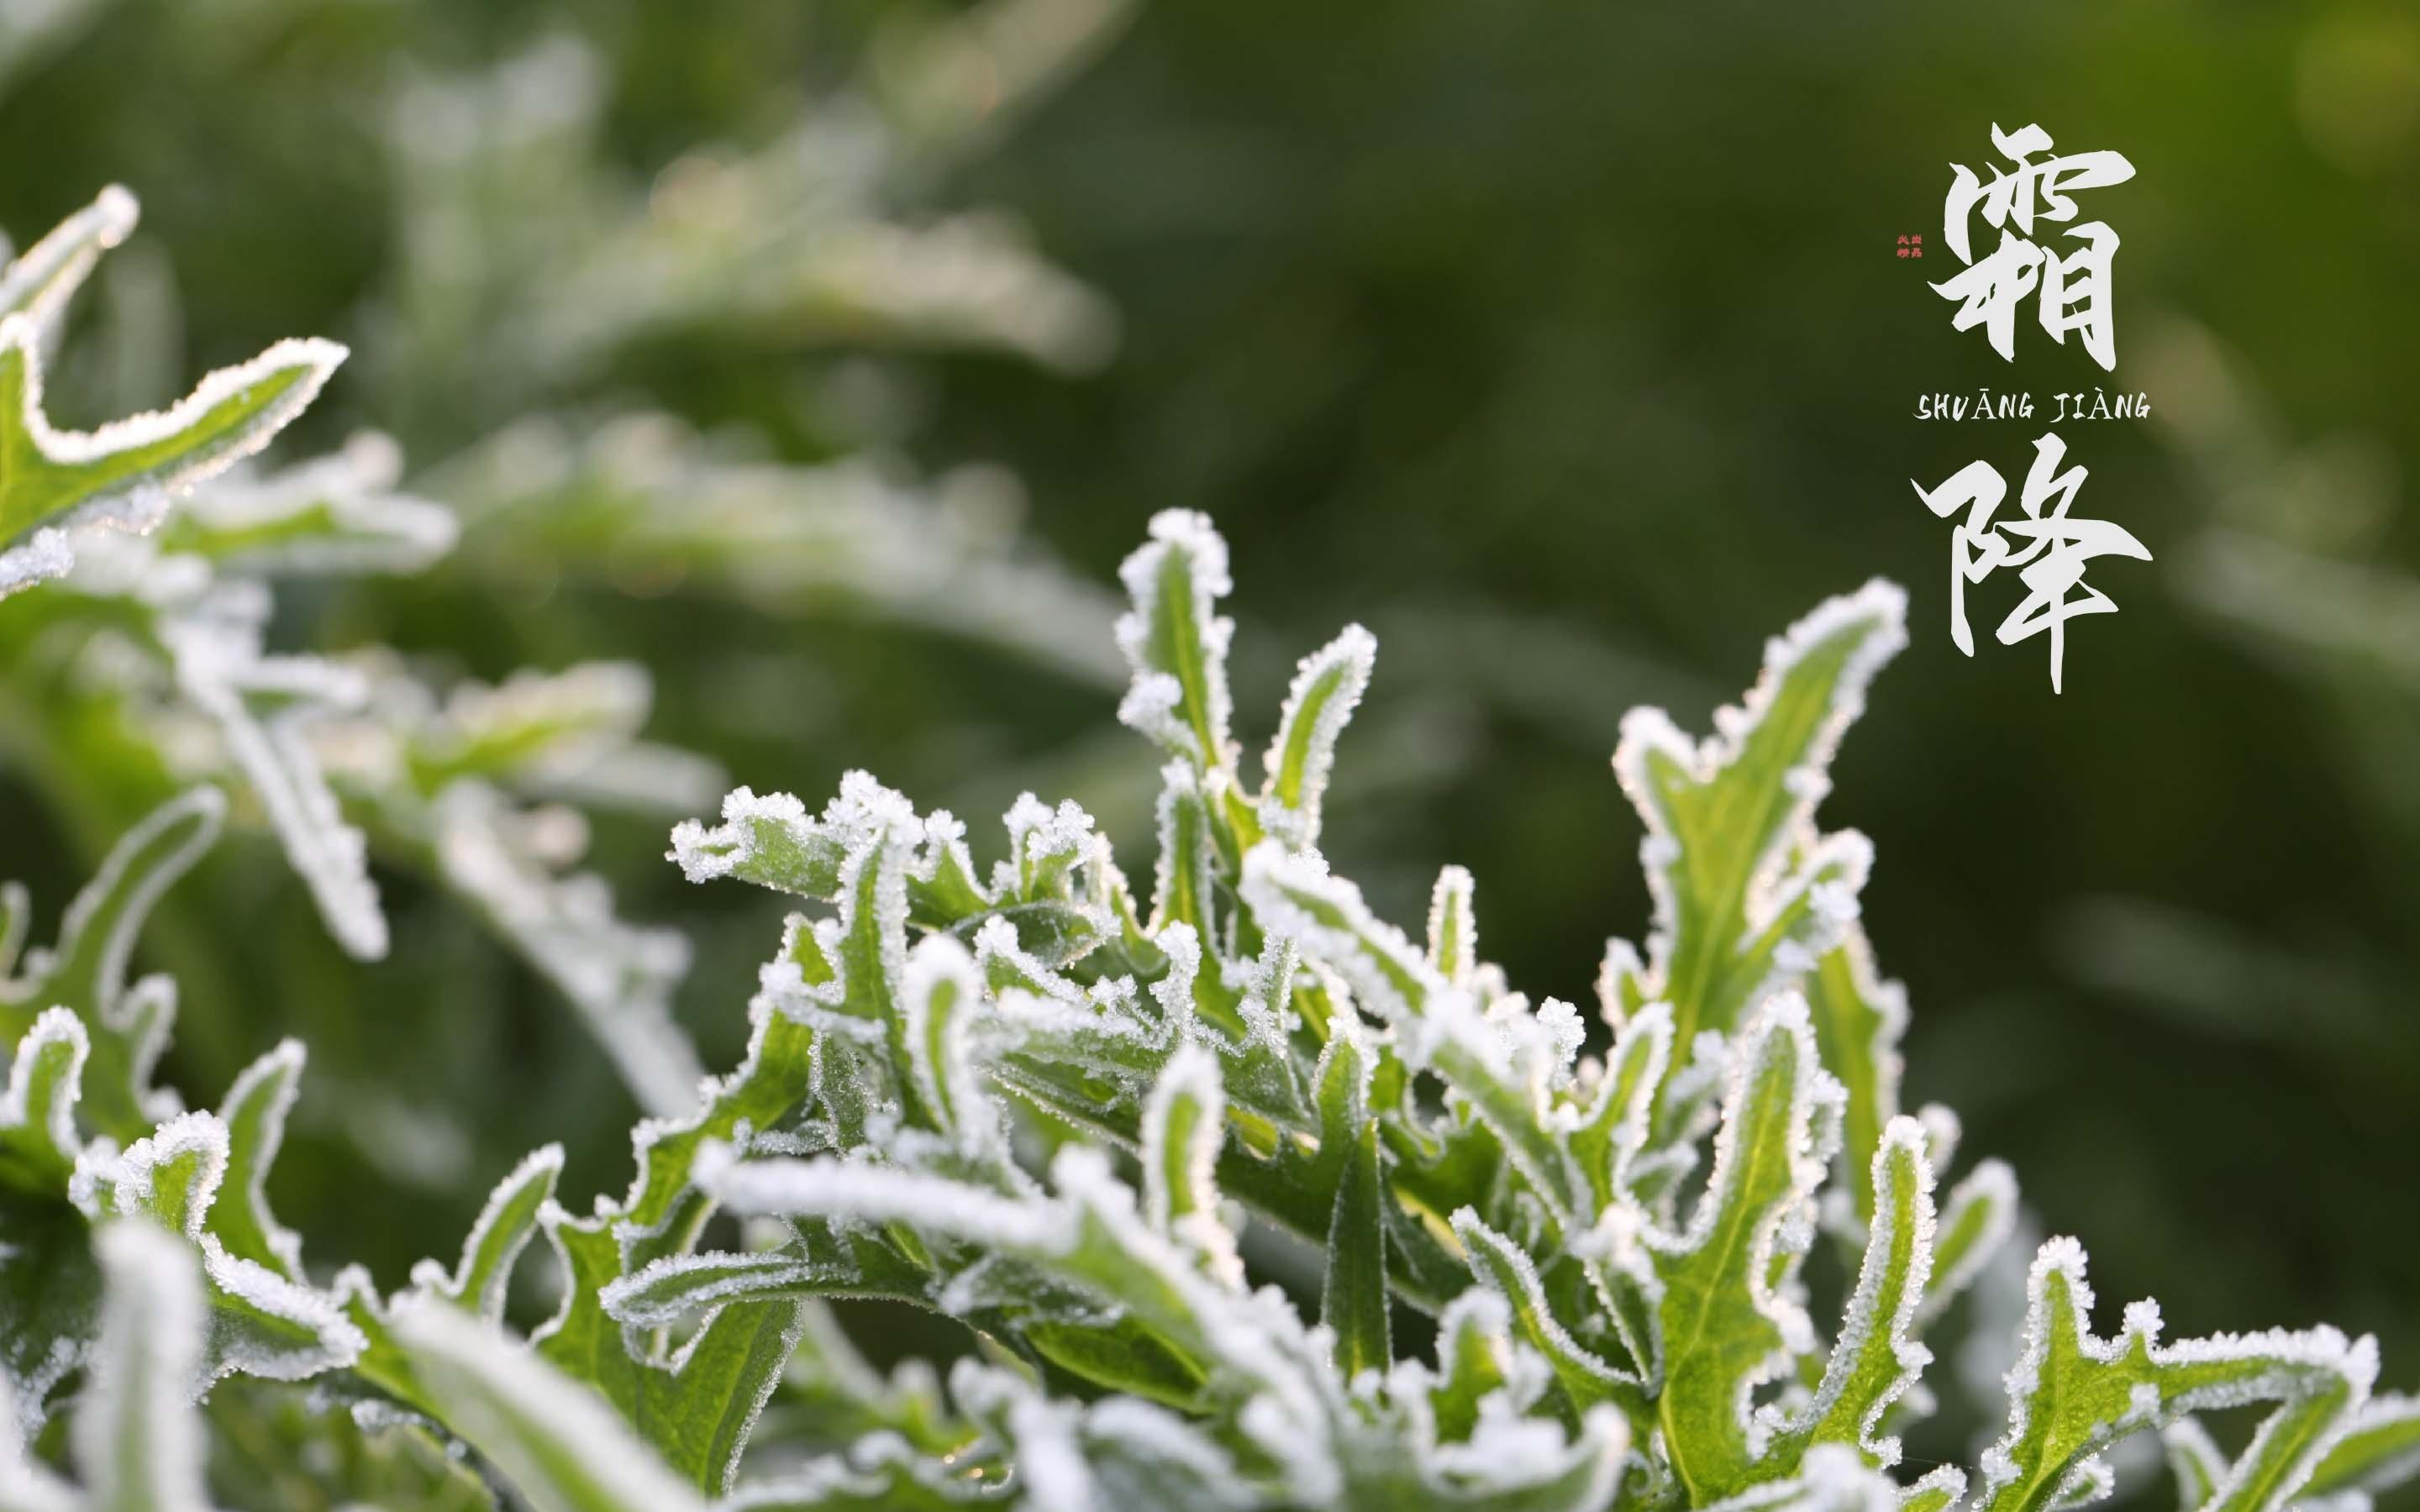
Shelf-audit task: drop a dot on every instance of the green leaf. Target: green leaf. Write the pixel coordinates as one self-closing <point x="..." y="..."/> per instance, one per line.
<point x="1588" y="1379"/>
<point x="1453" y="928"/>
<point x="255" y="1115"/>
<point x="2379" y="1450"/>
<point x="1353" y="1293"/>
<point x="1613" y="1131"/>
<point x="37" y="1129"/>
<point x="1724" y="1327"/>
<point x="1875" y="1357"/>
<point x="50" y="477"/>
<point x="562" y="1448"/>
<point x="1474" y="1356"/>
<point x="87" y="972"/>
<point x="1187" y="855"/>
<point x="1500" y="1065"/>
<point x="2072" y="1395"/>
<point x="261" y="1323"/>
<point x="2196" y="1461"/>
<point x="1328" y="686"/>
<point x="1721" y="816"/>
<point x="504" y="1227"/>
<point x="1858" y="1021"/>
<point x="337" y="514"/>
<point x="1184" y="1124"/>
<point x="1978" y="1218"/>
<point x="1176" y="641"/>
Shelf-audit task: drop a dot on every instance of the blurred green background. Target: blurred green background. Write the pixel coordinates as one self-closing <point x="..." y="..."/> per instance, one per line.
<point x="1564" y="345"/>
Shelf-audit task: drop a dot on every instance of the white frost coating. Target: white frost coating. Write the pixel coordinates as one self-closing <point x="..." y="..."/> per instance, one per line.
<point x="26" y="1480"/>
<point x="1649" y="730"/>
<point x="542" y="1164"/>
<point x="2291" y="1357"/>
<point x="205" y="810"/>
<point x="136" y="1443"/>
<point x="1345" y="662"/>
<point x="1993" y="1185"/>
<point x="1902" y="1138"/>
<point x="1565" y="1033"/>
<point x="557" y="1439"/>
<point x="2196" y="1461"/>
<point x="829" y="1188"/>
<point x="662" y="1292"/>
<point x="939" y="971"/>
<point x="335" y="1341"/>
<point x="1256" y="1337"/>
<point x="1152" y="707"/>
<point x="370" y="529"/>
<point x="1045" y="845"/>
<point x="1191" y="1076"/>
<point x="220" y="668"/>
<point x="1294" y="895"/>
<point x="1945" y="1482"/>
<point x="41" y="557"/>
<point x="705" y="854"/>
<point x="1180" y="790"/>
<point x="619" y="977"/>
<point x="2383" y="1413"/>
<point x="1152" y="1437"/>
<point x="1453" y="926"/>
<point x="54" y="1027"/>
<point x="137" y="503"/>
<point x="1475" y="1235"/>
<point x="281" y="1072"/>
<point x="1783" y="1015"/>
<point x="39" y="281"/>
<point x="134" y="1176"/>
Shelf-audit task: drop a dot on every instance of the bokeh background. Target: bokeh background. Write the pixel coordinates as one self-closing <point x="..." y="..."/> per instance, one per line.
<point x="1564" y="345"/>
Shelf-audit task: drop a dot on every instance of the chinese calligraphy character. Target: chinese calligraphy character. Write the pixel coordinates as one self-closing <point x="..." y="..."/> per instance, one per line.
<point x="2075" y="287"/>
<point x="2048" y="550"/>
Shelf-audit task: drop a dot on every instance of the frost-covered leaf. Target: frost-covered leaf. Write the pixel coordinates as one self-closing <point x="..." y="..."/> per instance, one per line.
<point x="39" y="281"/>
<point x="122" y="476"/>
<point x="1875" y="1357"/>
<point x="2071" y="1394"/>
<point x="1725" y="1329"/>
<point x="1176" y="641"/>
<point x="1353" y="1301"/>
<point x="38" y="1142"/>
<point x="138" y="1444"/>
<point x="1858" y="1019"/>
<point x="1722" y="814"/>
<point x="1588" y="1379"/>
<point x="337" y="513"/>
<point x="1328" y="686"/>
<point x="86" y="971"/>
<point x="2377" y="1450"/>
<point x="261" y="1323"/>
<point x="562" y="1448"/>
<point x="1979" y="1216"/>
<point x="1184" y="1123"/>
<point x="254" y="1116"/>
<point x="504" y="1227"/>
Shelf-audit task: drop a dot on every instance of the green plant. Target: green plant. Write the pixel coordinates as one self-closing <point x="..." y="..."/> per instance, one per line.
<point x="1620" y="1251"/>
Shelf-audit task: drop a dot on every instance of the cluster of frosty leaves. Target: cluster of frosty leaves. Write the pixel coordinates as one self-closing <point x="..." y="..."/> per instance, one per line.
<point x="160" y="616"/>
<point x="1613" y="1247"/>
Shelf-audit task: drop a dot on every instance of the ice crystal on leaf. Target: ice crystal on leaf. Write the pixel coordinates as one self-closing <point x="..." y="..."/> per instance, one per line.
<point x="1022" y="1097"/>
